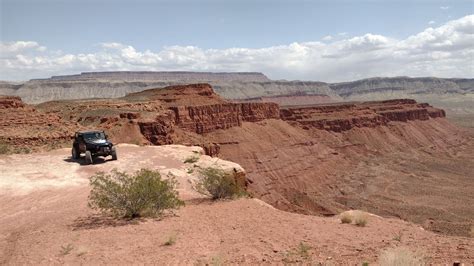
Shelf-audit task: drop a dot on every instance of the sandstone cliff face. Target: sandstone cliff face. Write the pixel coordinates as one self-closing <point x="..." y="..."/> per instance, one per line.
<point x="23" y="127"/>
<point x="248" y="90"/>
<point x="236" y="85"/>
<point x="160" y="130"/>
<point x="208" y="118"/>
<point x="343" y="117"/>
<point x="454" y="95"/>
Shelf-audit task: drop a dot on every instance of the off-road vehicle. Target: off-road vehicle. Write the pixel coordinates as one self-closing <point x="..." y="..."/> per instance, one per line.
<point x="92" y="143"/>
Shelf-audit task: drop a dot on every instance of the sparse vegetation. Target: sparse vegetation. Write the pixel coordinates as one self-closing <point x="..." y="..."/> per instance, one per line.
<point x="398" y="237"/>
<point x="360" y="221"/>
<point x="217" y="261"/>
<point x="21" y="150"/>
<point x="303" y="250"/>
<point x="360" y="218"/>
<point x="4" y="148"/>
<point x="219" y="184"/>
<point x="190" y="171"/>
<point x="129" y="196"/>
<point x="401" y="257"/>
<point x="65" y="250"/>
<point x="170" y="241"/>
<point x="346" y="218"/>
<point x="191" y="159"/>
<point x="297" y="254"/>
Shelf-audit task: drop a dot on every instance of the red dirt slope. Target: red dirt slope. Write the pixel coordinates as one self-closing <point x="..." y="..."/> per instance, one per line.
<point x="46" y="221"/>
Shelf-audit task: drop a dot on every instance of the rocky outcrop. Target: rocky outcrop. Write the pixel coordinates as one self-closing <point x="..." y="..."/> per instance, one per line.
<point x="24" y="127"/>
<point x="159" y="131"/>
<point x="7" y="102"/>
<point x="342" y="117"/>
<point x="211" y="149"/>
<point x="208" y="118"/>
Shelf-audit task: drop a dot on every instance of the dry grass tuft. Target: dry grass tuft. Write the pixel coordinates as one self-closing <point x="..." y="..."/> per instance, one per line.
<point x="360" y="218"/>
<point x="401" y="257"/>
<point x="346" y="218"/>
<point x="170" y="241"/>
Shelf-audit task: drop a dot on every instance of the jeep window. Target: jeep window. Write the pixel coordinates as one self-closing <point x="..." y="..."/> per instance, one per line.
<point x="94" y="135"/>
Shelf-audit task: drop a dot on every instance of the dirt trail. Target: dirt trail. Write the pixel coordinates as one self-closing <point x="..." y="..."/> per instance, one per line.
<point x="45" y="220"/>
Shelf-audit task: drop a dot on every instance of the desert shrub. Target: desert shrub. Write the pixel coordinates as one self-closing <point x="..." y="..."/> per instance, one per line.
<point x="219" y="184"/>
<point x="4" y="148"/>
<point x="303" y="250"/>
<point x="401" y="257"/>
<point x="346" y="218"/>
<point x="191" y="159"/>
<point x="142" y="194"/>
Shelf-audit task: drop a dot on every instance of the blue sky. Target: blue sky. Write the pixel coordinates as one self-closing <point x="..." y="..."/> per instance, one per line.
<point x="73" y="25"/>
<point x="82" y="27"/>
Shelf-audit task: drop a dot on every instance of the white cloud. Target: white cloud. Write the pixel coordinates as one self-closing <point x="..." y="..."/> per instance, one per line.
<point x="444" y="51"/>
<point x="431" y="22"/>
<point x="444" y="7"/>
<point x="327" y="38"/>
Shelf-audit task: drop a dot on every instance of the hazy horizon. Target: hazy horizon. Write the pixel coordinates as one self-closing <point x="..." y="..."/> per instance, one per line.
<point x="330" y="41"/>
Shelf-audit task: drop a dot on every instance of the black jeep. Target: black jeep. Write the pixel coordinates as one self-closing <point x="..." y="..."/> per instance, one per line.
<point x="92" y="144"/>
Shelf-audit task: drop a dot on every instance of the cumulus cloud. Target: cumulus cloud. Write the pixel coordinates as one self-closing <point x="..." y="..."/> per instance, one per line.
<point x="444" y="51"/>
<point x="444" y="7"/>
<point x="327" y="38"/>
<point x="431" y="22"/>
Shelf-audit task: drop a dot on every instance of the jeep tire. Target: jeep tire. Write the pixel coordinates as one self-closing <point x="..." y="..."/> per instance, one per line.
<point x="89" y="158"/>
<point x="114" y="153"/>
<point x="75" y="155"/>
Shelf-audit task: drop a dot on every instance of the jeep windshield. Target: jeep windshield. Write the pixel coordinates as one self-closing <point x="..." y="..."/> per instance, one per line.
<point x="94" y="136"/>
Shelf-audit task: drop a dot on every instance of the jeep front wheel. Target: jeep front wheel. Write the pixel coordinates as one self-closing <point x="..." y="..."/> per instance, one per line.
<point x="89" y="158"/>
<point x="75" y="155"/>
<point x="114" y="154"/>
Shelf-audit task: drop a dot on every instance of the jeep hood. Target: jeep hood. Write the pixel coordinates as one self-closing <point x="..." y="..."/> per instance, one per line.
<point x="98" y="141"/>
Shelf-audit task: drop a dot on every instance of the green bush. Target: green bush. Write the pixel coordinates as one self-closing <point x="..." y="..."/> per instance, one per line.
<point x="4" y="148"/>
<point x="219" y="184"/>
<point x="142" y="194"/>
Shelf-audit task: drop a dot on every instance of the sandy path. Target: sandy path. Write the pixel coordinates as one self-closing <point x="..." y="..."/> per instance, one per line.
<point x="49" y="222"/>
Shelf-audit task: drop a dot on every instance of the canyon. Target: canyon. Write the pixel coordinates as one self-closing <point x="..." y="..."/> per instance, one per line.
<point x="395" y="158"/>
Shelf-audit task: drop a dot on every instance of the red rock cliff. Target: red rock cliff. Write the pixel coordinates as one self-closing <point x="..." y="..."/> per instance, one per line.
<point x="207" y="118"/>
<point x="342" y="117"/>
<point x="10" y="102"/>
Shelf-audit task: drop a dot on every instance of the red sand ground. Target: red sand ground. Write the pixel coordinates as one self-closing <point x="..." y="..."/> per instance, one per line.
<point x="53" y="225"/>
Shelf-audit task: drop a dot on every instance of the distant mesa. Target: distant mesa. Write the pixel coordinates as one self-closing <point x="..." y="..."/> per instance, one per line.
<point x="164" y="76"/>
<point x="455" y="95"/>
